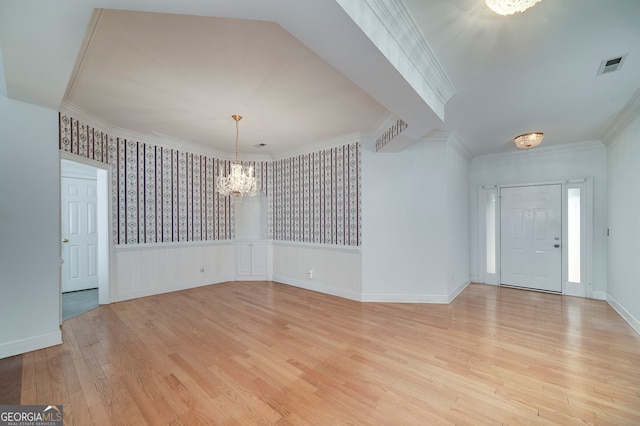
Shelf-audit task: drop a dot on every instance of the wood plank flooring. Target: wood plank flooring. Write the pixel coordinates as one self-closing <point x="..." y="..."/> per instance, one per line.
<point x="248" y="353"/>
<point x="10" y="380"/>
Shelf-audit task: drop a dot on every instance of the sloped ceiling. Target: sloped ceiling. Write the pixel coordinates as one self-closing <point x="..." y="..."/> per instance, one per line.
<point x="303" y="72"/>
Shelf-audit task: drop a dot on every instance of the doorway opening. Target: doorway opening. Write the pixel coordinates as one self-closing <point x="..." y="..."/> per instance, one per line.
<point x="520" y="226"/>
<point x="84" y="231"/>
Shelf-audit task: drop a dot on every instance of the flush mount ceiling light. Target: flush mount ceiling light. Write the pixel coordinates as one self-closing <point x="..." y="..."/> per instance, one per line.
<point x="528" y="140"/>
<point x="241" y="181"/>
<point x="509" y="7"/>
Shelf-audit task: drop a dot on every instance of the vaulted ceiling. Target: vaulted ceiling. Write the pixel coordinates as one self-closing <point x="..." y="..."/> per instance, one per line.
<point x="306" y="72"/>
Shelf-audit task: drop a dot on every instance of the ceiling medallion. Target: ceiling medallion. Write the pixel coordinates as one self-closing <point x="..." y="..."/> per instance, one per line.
<point x="509" y="7"/>
<point x="528" y="140"/>
<point x="242" y="180"/>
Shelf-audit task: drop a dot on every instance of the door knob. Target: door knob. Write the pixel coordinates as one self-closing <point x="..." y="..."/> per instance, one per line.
<point x="64" y="240"/>
<point x="556" y="245"/>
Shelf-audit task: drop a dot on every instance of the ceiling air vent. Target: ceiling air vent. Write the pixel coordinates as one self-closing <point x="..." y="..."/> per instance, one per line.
<point x="611" y="65"/>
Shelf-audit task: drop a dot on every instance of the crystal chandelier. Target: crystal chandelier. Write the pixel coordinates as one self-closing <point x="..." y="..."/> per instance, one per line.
<point x="528" y="140"/>
<point x="241" y="181"/>
<point x="509" y="7"/>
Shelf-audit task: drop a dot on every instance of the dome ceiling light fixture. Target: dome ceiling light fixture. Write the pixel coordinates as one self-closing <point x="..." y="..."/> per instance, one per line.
<point x="242" y="180"/>
<point x="528" y="140"/>
<point x="509" y="7"/>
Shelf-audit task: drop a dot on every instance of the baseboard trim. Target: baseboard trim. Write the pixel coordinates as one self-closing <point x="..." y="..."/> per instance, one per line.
<point x="443" y="299"/>
<point x="599" y="295"/>
<point x="29" y="344"/>
<point x="457" y="291"/>
<point x="626" y="315"/>
<point x="320" y="288"/>
<point x="136" y="294"/>
<point x="372" y="297"/>
<point x="406" y="298"/>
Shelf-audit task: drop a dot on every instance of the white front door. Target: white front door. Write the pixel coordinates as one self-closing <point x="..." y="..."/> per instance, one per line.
<point x="79" y="234"/>
<point x="530" y="237"/>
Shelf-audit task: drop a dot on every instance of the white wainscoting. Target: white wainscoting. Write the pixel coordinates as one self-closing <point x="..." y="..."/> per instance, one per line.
<point x="337" y="270"/>
<point x="144" y="270"/>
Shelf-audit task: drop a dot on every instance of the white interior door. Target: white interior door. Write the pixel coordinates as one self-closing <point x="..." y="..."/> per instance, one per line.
<point x="79" y="234"/>
<point x="530" y="237"/>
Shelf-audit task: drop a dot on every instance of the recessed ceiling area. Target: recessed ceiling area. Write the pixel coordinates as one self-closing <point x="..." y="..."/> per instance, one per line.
<point x="184" y="76"/>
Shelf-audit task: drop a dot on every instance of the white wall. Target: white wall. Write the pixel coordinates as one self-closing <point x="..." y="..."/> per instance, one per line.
<point x="406" y="251"/>
<point x="143" y="270"/>
<point x="457" y="239"/>
<point x="624" y="223"/>
<point x="251" y="217"/>
<point x="336" y="270"/>
<point x="29" y="228"/>
<point x="547" y="165"/>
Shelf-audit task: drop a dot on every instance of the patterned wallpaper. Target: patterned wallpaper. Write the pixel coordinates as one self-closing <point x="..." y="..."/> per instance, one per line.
<point x="397" y="128"/>
<point x="167" y="195"/>
<point x="316" y="197"/>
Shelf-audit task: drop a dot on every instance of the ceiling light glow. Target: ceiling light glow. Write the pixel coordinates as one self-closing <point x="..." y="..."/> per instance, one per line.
<point x="509" y="7"/>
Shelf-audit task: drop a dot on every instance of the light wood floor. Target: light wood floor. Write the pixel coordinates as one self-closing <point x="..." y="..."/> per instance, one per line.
<point x="264" y="353"/>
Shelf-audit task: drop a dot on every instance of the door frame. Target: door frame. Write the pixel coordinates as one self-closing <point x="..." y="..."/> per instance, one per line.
<point x="103" y="187"/>
<point x="581" y="289"/>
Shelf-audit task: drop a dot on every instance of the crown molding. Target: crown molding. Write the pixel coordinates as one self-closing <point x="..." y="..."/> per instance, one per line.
<point x="183" y="145"/>
<point x="84" y="48"/>
<point x="453" y="140"/>
<point x="543" y="152"/>
<point x="625" y="117"/>
<point x="390" y="26"/>
<point x="388" y="120"/>
<point x="84" y="116"/>
<point x="355" y="137"/>
<point x="158" y="139"/>
<point x="460" y="147"/>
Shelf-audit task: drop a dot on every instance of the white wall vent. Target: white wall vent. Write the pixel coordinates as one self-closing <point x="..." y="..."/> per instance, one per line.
<point x="611" y="65"/>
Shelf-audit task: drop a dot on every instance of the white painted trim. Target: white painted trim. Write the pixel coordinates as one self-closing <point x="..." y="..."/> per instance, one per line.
<point x="539" y="152"/>
<point x="625" y="117"/>
<point x="406" y="298"/>
<point x="347" y="294"/>
<point x="460" y="147"/>
<point x="135" y="294"/>
<point x="104" y="204"/>
<point x="416" y="298"/>
<point x="104" y="189"/>
<point x="170" y="245"/>
<point x="574" y="289"/>
<point x="74" y="111"/>
<point x="316" y="246"/>
<point x="626" y="315"/>
<point x="599" y="295"/>
<point x="452" y="295"/>
<point x="157" y="139"/>
<point x="165" y="141"/>
<point x="391" y="27"/>
<point x="584" y="289"/>
<point x="29" y="344"/>
<point x="388" y="120"/>
<point x="84" y="47"/>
